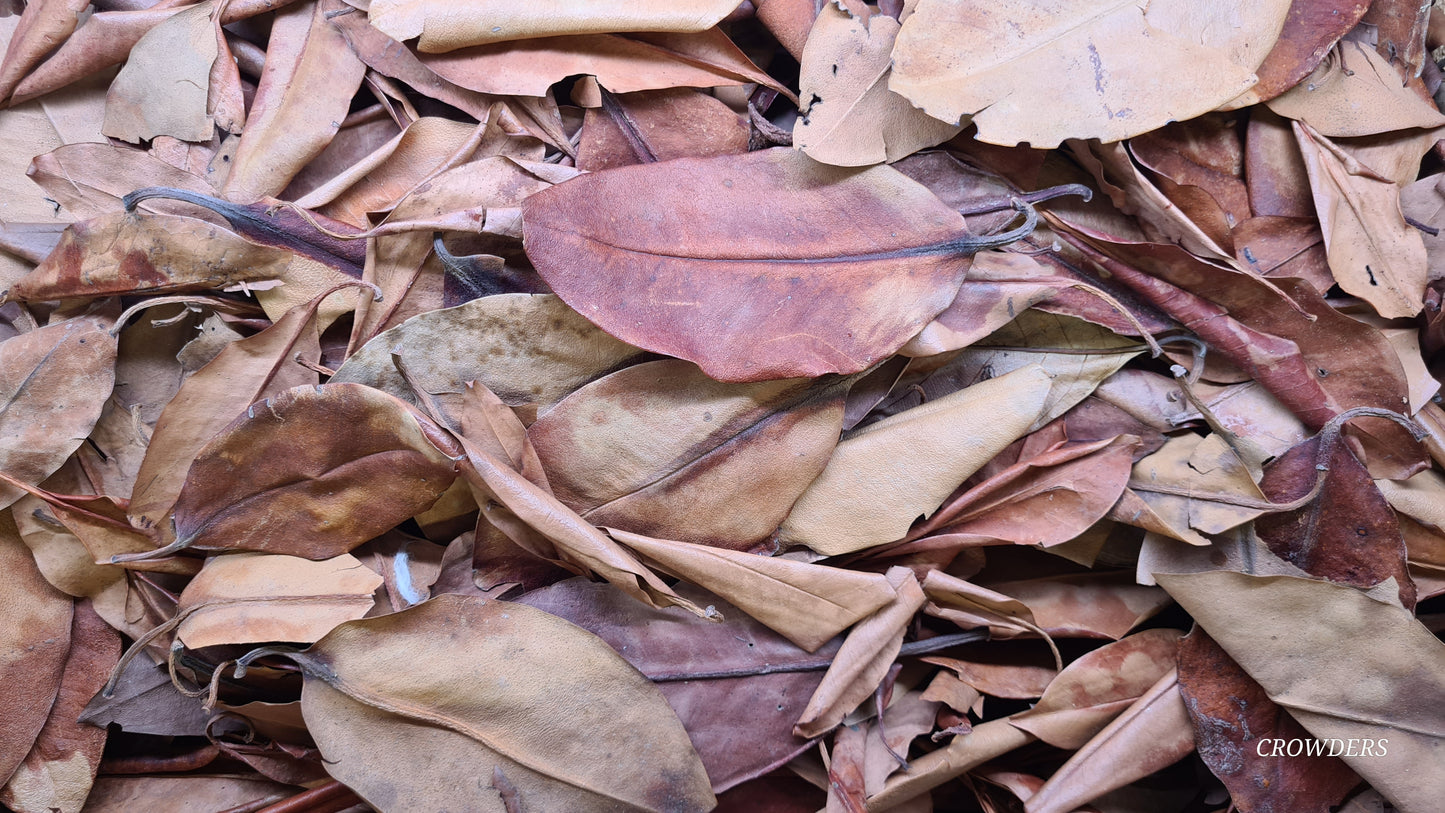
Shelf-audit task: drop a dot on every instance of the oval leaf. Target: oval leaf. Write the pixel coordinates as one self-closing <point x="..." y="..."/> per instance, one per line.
<point x="444" y="705"/>
<point x="313" y="472"/>
<point x="756" y="266"/>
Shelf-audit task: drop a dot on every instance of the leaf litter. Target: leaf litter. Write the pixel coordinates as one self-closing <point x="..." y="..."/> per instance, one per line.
<point x="785" y="405"/>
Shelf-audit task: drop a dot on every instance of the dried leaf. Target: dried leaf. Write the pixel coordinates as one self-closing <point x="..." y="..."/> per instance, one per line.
<point x="537" y="522"/>
<point x="163" y="88"/>
<point x="1356" y="92"/>
<point x="1087" y="605"/>
<point x="758" y="266"/>
<point x="57" y="774"/>
<point x="1347" y="534"/>
<point x="145" y="701"/>
<point x="883" y="477"/>
<point x="864" y="659"/>
<point x="247" y="598"/>
<point x="446" y="26"/>
<point x="1373" y="252"/>
<point x="1350" y="666"/>
<point x="42" y="26"/>
<point x="1153" y="733"/>
<point x="508" y="688"/>
<point x="808" y="604"/>
<point x="138" y="252"/>
<point x="1079" y="68"/>
<point x="89" y="180"/>
<point x="304" y="92"/>
<point x="622" y="63"/>
<point x="661" y="449"/>
<point x="1310" y="30"/>
<point x="527" y="349"/>
<point x="243" y="372"/>
<point x="53" y="383"/>
<point x="850" y="117"/>
<point x="314" y="472"/>
<point x="34" y="644"/>
<point x="1093" y="690"/>
<point x="1234" y="721"/>
<point x="1194" y="484"/>
<point x="660" y="125"/>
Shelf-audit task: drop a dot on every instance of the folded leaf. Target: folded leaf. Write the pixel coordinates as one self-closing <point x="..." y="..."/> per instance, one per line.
<point x="808" y="604"/>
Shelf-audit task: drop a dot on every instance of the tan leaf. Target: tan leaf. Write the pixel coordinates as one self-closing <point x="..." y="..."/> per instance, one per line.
<point x="1092" y="690"/>
<point x="622" y="63"/>
<point x="808" y="604"/>
<point x="162" y="89"/>
<point x="1350" y="666"/>
<point x="505" y="691"/>
<point x="536" y="521"/>
<point x="1373" y="253"/>
<point x="89" y="180"/>
<point x="527" y="349"/>
<point x="304" y="92"/>
<point x="850" y="117"/>
<point x="245" y="598"/>
<point x="1041" y="73"/>
<point x="661" y="449"/>
<point x="1356" y="92"/>
<point x="864" y="659"/>
<point x="1195" y="477"/>
<point x="883" y="477"/>
<point x="445" y="25"/>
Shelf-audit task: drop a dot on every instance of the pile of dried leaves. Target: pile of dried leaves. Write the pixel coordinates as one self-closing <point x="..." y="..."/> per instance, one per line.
<point x="631" y="405"/>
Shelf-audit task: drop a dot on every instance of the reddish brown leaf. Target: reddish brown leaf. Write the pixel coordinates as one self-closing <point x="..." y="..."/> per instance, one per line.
<point x="1311" y="28"/>
<point x="1234" y="720"/>
<point x="57" y="773"/>
<point x="312" y="472"/>
<point x="764" y="265"/>
<point x="1347" y="534"/>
